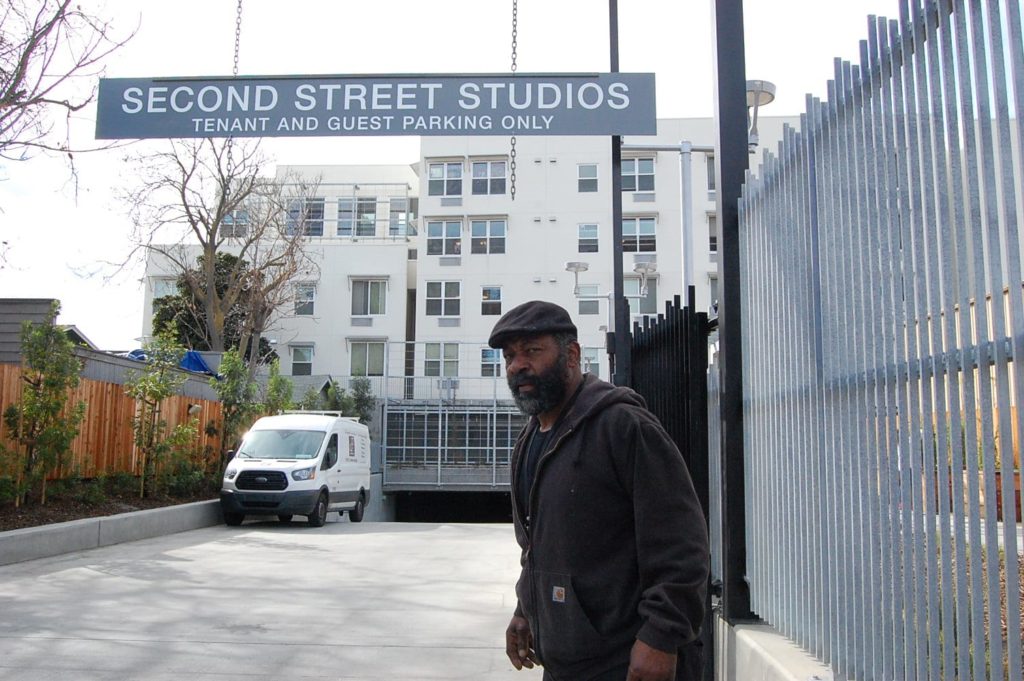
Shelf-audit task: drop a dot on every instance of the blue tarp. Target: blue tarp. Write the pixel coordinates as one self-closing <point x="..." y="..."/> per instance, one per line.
<point x="193" y="361"/>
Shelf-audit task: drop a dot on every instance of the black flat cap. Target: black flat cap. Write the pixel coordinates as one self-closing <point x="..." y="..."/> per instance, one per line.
<point x="530" y="319"/>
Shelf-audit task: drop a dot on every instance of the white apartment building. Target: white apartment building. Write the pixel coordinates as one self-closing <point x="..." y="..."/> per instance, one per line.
<point x="416" y="263"/>
<point x="352" y="299"/>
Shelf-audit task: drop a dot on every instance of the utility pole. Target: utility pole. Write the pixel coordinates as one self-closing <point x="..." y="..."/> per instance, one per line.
<point x="618" y="341"/>
<point x="733" y="160"/>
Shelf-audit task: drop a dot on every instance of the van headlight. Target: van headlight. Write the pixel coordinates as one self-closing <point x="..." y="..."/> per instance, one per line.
<point x="230" y="474"/>
<point x="304" y="473"/>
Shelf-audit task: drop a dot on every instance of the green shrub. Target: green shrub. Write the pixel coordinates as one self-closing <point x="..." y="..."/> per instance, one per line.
<point x="121" y="484"/>
<point x="91" y="491"/>
<point x="189" y="484"/>
<point x="8" y="490"/>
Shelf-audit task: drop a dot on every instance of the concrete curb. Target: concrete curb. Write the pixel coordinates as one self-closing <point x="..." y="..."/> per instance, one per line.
<point x="89" y="533"/>
<point x="758" y="651"/>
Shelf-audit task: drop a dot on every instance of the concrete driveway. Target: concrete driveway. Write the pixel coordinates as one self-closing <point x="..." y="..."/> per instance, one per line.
<point x="267" y="602"/>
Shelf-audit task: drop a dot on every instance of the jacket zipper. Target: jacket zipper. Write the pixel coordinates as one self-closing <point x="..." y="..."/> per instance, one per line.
<point x="528" y="526"/>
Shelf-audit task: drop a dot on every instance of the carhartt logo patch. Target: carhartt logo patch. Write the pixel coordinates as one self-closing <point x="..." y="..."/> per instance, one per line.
<point x="558" y="594"/>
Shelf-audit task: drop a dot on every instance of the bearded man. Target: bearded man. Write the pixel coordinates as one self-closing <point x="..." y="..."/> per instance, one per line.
<point x="614" y="543"/>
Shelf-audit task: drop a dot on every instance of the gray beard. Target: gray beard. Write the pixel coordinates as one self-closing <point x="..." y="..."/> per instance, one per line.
<point x="549" y="389"/>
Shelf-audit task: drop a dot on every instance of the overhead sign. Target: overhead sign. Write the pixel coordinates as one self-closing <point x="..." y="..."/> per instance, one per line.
<point x="300" y="106"/>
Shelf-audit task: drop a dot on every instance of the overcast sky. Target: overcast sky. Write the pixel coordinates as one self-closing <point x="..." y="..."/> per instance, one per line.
<point x="58" y="239"/>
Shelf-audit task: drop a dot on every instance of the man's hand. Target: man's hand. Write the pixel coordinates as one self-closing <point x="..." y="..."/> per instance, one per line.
<point x="519" y="643"/>
<point x="650" y="664"/>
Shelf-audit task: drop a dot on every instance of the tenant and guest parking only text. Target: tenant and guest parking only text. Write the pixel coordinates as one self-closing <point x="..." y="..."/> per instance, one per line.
<point x="573" y="104"/>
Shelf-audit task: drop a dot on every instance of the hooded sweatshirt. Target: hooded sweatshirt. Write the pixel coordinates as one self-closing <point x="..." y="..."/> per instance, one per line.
<point x="614" y="543"/>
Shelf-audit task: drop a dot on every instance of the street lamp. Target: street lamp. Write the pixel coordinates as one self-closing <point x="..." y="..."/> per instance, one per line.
<point x="759" y="93"/>
<point x="576" y="268"/>
<point x="644" y="268"/>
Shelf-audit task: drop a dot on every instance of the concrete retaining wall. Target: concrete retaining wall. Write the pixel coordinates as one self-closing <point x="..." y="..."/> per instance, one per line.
<point x="78" y="535"/>
<point x="757" y="651"/>
<point x="381" y="507"/>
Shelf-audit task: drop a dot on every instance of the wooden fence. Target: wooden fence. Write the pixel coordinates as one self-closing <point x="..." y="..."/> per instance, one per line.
<point x="106" y="441"/>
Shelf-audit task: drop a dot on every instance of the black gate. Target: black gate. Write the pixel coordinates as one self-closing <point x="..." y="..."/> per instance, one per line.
<point x="669" y="369"/>
<point x="670" y="361"/>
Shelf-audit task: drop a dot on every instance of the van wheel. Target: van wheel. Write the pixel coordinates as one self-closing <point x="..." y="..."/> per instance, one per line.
<point x="356" y="514"/>
<point x="286" y="518"/>
<point x="234" y="519"/>
<point x="318" y="516"/>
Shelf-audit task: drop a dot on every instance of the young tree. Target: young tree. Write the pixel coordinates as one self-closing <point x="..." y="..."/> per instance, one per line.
<point x="41" y="423"/>
<point x="207" y="197"/>
<point x="278" y="395"/>
<point x="363" y="400"/>
<point x="150" y="387"/>
<point x="47" y="49"/>
<point x="237" y="392"/>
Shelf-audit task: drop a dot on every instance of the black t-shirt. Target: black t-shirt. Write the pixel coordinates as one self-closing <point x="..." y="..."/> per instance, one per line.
<point x="538" y="443"/>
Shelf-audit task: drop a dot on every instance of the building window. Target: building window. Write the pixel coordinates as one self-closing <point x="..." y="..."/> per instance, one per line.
<point x="164" y="286"/>
<point x="586" y="177"/>
<point x="443" y="298"/>
<point x="638" y="174"/>
<point x="646" y="305"/>
<point x="591" y="359"/>
<point x="488" y="236"/>
<point x="490" y="303"/>
<point x="444" y="179"/>
<point x="712" y="181"/>
<point x="638" y="235"/>
<point x="367" y="358"/>
<point x="713" y="290"/>
<point x="488" y="177"/>
<point x="444" y="237"/>
<point x="490" y="362"/>
<point x="302" y="360"/>
<point x="235" y="224"/>
<point x="369" y="296"/>
<point x="588" y="238"/>
<point x="357" y="216"/>
<point x="402" y="213"/>
<point x="442" y="359"/>
<point x="306" y="216"/>
<point x="712" y="233"/>
<point x="589" y="306"/>
<point x="305" y="299"/>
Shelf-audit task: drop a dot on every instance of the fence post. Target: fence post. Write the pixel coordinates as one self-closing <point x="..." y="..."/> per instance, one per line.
<point x="732" y="154"/>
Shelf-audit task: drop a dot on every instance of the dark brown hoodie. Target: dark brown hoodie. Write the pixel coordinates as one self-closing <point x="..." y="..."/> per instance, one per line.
<point x="616" y="546"/>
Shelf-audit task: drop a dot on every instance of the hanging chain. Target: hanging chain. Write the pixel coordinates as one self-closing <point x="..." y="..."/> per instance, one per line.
<point x="234" y="74"/>
<point x="238" y="36"/>
<point x="515" y="55"/>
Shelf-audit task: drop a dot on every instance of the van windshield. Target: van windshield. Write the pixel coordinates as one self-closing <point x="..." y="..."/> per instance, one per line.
<point x="281" y="444"/>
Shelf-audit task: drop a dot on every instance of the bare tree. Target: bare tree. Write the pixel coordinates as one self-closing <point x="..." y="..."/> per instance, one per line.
<point x="201" y="198"/>
<point x="48" y="50"/>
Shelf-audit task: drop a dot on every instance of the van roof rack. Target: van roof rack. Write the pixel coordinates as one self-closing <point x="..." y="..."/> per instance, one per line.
<point x="322" y="413"/>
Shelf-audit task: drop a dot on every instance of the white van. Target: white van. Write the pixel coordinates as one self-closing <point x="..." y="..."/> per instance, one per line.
<point x="299" y="464"/>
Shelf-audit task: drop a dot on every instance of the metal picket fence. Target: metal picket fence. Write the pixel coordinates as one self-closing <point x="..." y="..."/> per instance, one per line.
<point x="883" y="314"/>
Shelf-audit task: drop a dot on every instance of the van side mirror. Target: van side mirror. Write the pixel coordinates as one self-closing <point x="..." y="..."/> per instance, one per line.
<point x="228" y="455"/>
